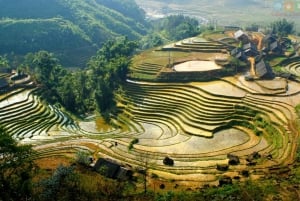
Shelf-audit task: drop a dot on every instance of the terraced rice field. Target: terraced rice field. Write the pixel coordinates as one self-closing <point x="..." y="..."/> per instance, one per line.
<point x="26" y="117"/>
<point x="293" y="67"/>
<point x="197" y="45"/>
<point x="195" y="123"/>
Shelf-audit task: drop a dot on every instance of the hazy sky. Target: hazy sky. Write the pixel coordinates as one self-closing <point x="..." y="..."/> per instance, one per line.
<point x="233" y="12"/>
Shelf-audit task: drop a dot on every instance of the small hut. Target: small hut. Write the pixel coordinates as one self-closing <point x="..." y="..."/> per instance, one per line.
<point x="112" y="169"/>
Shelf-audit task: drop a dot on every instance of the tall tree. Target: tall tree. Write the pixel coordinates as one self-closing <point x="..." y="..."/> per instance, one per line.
<point x="45" y="64"/>
<point x="109" y="68"/>
<point x="282" y="27"/>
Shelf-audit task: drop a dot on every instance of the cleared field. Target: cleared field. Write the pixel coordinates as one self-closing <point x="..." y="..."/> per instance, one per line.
<point x="191" y="66"/>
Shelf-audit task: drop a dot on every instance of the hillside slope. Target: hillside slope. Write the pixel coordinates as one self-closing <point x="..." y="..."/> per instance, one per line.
<point x="72" y="29"/>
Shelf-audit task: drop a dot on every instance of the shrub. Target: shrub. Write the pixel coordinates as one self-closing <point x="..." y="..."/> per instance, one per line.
<point x="134" y="141"/>
<point x="168" y="161"/>
<point x="83" y="158"/>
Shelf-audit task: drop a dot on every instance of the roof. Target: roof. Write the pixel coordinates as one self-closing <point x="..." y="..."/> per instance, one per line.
<point x="274" y="46"/>
<point x="112" y="169"/>
<point x="107" y="167"/>
<point x="238" y="34"/>
<point x="232" y="27"/>
<point x="235" y="51"/>
<point x="249" y="46"/>
<point x="262" y="69"/>
<point x="124" y="173"/>
<point x="269" y="38"/>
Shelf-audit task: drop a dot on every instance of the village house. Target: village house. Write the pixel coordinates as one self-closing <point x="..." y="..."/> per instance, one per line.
<point x="250" y="49"/>
<point x="112" y="169"/>
<point x="241" y="36"/>
<point x="263" y="70"/>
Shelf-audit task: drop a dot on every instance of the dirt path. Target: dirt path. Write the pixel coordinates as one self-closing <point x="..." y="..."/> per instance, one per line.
<point x="252" y="68"/>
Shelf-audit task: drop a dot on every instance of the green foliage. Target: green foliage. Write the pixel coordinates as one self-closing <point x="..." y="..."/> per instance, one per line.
<point x="72" y="30"/>
<point x="133" y="142"/>
<point x="83" y="158"/>
<point x="151" y="40"/>
<point x="177" y="27"/>
<point x="282" y="27"/>
<point x="3" y="62"/>
<point x="109" y="69"/>
<point x="86" y="90"/>
<point x="16" y="168"/>
<point x="62" y="185"/>
<point x="125" y="7"/>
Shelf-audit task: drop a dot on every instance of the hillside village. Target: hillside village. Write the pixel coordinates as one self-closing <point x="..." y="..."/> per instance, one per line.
<point x="254" y="51"/>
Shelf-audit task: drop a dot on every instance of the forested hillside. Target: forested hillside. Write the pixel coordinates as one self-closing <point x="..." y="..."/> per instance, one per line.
<point x="72" y="29"/>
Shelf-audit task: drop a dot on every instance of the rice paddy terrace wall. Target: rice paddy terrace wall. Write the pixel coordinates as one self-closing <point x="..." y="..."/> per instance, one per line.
<point x="26" y="117"/>
<point x="197" y="124"/>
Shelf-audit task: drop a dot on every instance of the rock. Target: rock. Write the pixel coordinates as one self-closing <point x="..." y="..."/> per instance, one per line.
<point x="222" y="167"/>
<point x="233" y="159"/>
<point x="168" y="161"/>
<point x="225" y="180"/>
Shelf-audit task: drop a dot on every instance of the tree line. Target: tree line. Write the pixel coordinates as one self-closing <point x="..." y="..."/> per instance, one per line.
<point x="87" y="90"/>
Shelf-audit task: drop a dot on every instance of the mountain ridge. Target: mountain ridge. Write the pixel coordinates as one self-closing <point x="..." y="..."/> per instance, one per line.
<point x="67" y="24"/>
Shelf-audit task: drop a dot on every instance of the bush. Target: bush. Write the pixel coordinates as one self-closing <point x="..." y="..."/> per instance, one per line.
<point x="168" y="161"/>
<point x="134" y="141"/>
<point x="83" y="158"/>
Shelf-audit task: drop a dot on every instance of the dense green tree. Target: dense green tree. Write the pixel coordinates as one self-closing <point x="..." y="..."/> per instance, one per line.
<point x="3" y="62"/>
<point x="62" y="185"/>
<point x="72" y="30"/>
<point x="177" y="27"/>
<point x="125" y="7"/>
<point x="109" y="68"/>
<point x="282" y="27"/>
<point x="151" y="40"/>
<point x="86" y="90"/>
<point x="45" y="63"/>
<point x="16" y="166"/>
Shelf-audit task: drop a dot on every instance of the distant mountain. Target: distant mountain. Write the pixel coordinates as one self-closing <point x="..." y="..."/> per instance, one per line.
<point x="72" y="29"/>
